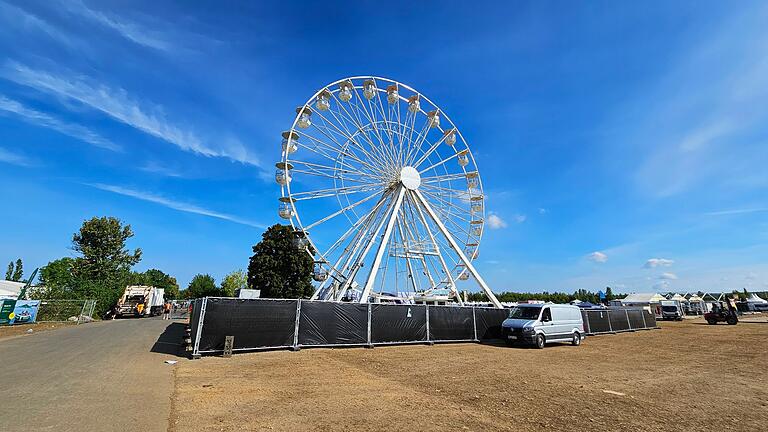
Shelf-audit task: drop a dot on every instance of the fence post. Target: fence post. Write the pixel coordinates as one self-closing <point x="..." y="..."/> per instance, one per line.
<point x="610" y="326"/>
<point x="370" y="345"/>
<point x="82" y="311"/>
<point x="629" y="324"/>
<point x="428" y="338"/>
<point x="196" y="349"/>
<point x="296" y="327"/>
<point x="474" y="322"/>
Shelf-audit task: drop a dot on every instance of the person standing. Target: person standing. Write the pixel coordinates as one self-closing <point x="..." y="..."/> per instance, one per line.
<point x="167" y="310"/>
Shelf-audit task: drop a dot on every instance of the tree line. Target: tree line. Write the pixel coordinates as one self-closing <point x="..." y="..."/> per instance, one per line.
<point x="103" y="267"/>
<point x="554" y="297"/>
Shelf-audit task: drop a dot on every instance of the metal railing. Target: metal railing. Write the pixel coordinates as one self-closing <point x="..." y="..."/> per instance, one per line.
<point x="77" y="311"/>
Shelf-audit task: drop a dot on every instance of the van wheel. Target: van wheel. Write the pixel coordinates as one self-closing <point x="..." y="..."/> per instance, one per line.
<point x="576" y="341"/>
<point x="540" y="341"/>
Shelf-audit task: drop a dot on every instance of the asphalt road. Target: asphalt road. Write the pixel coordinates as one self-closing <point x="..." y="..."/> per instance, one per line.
<point x="102" y="376"/>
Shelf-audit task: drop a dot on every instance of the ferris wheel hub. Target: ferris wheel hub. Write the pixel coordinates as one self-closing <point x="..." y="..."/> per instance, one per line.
<point x="410" y="178"/>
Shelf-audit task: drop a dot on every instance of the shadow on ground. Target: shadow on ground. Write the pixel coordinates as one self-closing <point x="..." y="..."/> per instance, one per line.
<point x="171" y="341"/>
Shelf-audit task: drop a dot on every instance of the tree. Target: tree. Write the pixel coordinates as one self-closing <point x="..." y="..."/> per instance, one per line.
<point x="202" y="286"/>
<point x="278" y="268"/>
<point x="157" y="279"/>
<point x="101" y="241"/>
<point x="9" y="272"/>
<point x="19" y="272"/>
<point x="609" y="294"/>
<point x="105" y="264"/>
<point x="56" y="280"/>
<point x="234" y="281"/>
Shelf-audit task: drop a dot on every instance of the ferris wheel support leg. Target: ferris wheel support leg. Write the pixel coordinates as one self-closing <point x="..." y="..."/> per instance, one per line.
<point x="451" y="282"/>
<point x="382" y="246"/>
<point x="458" y="251"/>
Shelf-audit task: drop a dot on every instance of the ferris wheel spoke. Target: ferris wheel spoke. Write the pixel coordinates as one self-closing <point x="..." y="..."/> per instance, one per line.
<point x="426" y="154"/>
<point x="347" y="134"/>
<point x="322" y="193"/>
<point x="336" y="173"/>
<point x="349" y="207"/>
<point x="337" y="150"/>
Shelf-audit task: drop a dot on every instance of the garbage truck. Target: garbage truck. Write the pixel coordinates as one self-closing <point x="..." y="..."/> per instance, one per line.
<point x="140" y="301"/>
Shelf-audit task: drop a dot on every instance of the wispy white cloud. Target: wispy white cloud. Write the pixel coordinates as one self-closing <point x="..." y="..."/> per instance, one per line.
<point x="17" y="18"/>
<point x="668" y="276"/>
<point x="520" y="218"/>
<point x="658" y="262"/>
<point x="597" y="257"/>
<point x="37" y="118"/>
<point x="736" y="211"/>
<point x="172" y="204"/>
<point x="494" y="221"/>
<point x="157" y="168"/>
<point x="116" y="103"/>
<point x="542" y="210"/>
<point x="9" y="157"/>
<point x="699" y="128"/>
<point x="130" y="30"/>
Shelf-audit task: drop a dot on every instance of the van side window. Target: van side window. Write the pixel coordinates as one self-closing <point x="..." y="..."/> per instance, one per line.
<point x="546" y="315"/>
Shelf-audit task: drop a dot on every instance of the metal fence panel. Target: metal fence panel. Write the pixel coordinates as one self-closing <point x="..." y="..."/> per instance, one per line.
<point x="398" y="323"/>
<point x="599" y="321"/>
<point x="324" y="323"/>
<point x="488" y="322"/>
<point x="618" y="320"/>
<point x="449" y="323"/>
<point x="255" y="324"/>
<point x="636" y="318"/>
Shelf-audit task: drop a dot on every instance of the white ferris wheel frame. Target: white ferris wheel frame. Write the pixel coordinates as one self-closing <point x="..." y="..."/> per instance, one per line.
<point x="403" y="191"/>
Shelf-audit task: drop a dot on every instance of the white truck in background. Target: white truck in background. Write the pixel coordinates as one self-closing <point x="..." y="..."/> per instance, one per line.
<point x="140" y="301"/>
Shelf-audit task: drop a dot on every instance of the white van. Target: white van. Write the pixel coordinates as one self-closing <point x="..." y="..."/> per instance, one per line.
<point x="539" y="324"/>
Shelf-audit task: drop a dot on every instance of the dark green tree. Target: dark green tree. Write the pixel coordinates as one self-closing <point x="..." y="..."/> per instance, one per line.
<point x="278" y="268"/>
<point x="104" y="267"/>
<point x="56" y="280"/>
<point x="158" y="279"/>
<point x="9" y="272"/>
<point x="202" y="285"/>
<point x="18" y="273"/>
<point x="609" y="294"/>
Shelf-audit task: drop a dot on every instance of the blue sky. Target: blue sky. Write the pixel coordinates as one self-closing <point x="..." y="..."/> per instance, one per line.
<point x="620" y="143"/>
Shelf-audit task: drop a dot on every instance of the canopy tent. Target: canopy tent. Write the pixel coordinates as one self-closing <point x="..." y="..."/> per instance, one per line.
<point x="678" y="297"/>
<point x="644" y="298"/>
<point x="695" y="299"/>
<point x="10" y="289"/>
<point x="587" y="305"/>
<point x="754" y="298"/>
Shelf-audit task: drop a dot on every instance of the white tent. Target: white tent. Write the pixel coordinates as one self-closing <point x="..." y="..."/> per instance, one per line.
<point x="755" y="299"/>
<point x="642" y="298"/>
<point x="678" y="297"/>
<point x="10" y="289"/>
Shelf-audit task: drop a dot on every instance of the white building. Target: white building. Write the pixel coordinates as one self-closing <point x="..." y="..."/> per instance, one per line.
<point x="10" y="289"/>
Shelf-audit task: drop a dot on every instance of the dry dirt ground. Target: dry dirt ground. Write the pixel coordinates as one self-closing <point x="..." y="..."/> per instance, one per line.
<point x="684" y="377"/>
<point x="23" y="329"/>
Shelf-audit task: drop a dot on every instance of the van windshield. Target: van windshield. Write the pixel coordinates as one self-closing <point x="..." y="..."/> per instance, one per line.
<point x="525" y="312"/>
<point x="669" y="308"/>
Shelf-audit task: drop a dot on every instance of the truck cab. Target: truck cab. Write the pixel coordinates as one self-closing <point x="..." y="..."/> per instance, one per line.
<point x="539" y="324"/>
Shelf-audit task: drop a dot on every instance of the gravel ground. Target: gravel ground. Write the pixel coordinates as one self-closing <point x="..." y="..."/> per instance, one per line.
<point x="686" y="376"/>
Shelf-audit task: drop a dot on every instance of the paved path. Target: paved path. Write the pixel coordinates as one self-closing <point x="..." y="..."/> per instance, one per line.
<point x="103" y="376"/>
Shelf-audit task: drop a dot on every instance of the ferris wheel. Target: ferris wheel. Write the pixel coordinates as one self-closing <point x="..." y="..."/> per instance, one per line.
<point x="383" y="192"/>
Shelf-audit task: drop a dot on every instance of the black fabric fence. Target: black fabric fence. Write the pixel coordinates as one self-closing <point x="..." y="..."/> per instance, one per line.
<point x="270" y="324"/>
<point x="614" y="320"/>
